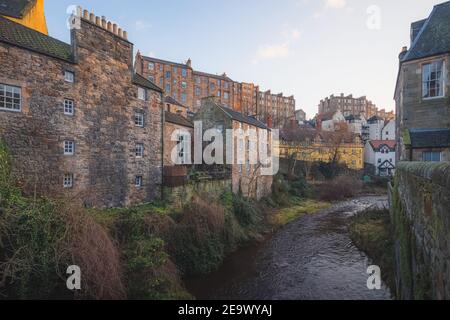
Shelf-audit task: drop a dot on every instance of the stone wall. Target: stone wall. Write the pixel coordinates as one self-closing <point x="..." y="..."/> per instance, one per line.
<point x="420" y="209"/>
<point x="104" y="165"/>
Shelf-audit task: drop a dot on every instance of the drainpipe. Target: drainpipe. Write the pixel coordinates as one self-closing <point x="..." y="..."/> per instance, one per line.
<point x="163" y="119"/>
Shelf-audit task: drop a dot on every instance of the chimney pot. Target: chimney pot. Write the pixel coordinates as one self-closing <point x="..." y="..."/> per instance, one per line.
<point x="92" y="17"/>
<point x="86" y="14"/>
<point x="110" y="28"/>
<point x="115" y="29"/>
<point x="125" y="35"/>
<point x="98" y="21"/>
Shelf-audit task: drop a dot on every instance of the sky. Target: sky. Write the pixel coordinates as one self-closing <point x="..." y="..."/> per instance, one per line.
<point x="306" y="48"/>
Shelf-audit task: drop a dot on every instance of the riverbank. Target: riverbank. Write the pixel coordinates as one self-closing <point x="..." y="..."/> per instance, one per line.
<point x="311" y="257"/>
<point x="371" y="231"/>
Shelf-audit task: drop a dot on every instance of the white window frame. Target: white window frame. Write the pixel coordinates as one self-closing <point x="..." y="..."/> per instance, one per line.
<point x="442" y="81"/>
<point x="69" y="76"/>
<point x="4" y="97"/>
<point x="139" y="150"/>
<point x="68" y="181"/>
<point x="431" y="152"/>
<point x="69" y="104"/>
<point x="139" y="119"/>
<point x="138" y="181"/>
<point x="151" y="66"/>
<point x="69" y="148"/>
<point x="142" y="94"/>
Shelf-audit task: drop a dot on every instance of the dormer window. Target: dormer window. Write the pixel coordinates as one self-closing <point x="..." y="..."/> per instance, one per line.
<point x="433" y="80"/>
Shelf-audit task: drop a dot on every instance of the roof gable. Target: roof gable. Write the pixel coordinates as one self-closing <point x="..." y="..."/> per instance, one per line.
<point x="434" y="35"/>
<point x="141" y="81"/>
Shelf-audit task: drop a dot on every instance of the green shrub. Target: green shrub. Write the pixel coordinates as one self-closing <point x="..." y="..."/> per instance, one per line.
<point x="245" y="211"/>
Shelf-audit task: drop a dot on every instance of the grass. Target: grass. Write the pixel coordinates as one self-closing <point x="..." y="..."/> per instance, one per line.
<point x="298" y="208"/>
<point x="371" y="232"/>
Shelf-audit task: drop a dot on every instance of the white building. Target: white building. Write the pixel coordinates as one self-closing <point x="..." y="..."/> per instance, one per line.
<point x="330" y="121"/>
<point x="388" y="132"/>
<point x="379" y="156"/>
<point x="356" y="124"/>
<point x="375" y="126"/>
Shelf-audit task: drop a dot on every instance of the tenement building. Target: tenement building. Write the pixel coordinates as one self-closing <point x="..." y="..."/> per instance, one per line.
<point x="422" y="92"/>
<point x="188" y="86"/>
<point x="350" y="105"/>
<point x="78" y="121"/>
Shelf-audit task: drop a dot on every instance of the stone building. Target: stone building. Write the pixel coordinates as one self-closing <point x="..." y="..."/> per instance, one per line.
<point x="300" y="116"/>
<point x="246" y="176"/>
<point x="29" y="13"/>
<point x="311" y="145"/>
<point x="422" y="93"/>
<point x="77" y="119"/>
<point x="177" y="130"/>
<point x="183" y="83"/>
<point x="348" y="105"/>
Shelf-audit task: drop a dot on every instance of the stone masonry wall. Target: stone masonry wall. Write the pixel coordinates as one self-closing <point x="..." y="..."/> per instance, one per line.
<point x="104" y="165"/>
<point x="420" y="209"/>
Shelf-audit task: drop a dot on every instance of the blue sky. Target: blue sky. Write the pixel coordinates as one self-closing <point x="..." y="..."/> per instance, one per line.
<point x="308" y="48"/>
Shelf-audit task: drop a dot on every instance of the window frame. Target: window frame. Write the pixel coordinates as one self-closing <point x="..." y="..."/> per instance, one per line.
<point x="69" y="147"/>
<point x="13" y="88"/>
<point x="139" y="150"/>
<point x="66" y="104"/>
<point x="69" y="80"/>
<point x="431" y="153"/>
<point x="142" y="94"/>
<point x="68" y="181"/>
<point x="442" y="80"/>
<point x="139" y="119"/>
<point x="138" y="181"/>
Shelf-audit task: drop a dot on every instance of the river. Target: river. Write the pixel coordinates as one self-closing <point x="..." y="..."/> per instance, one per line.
<point x="312" y="258"/>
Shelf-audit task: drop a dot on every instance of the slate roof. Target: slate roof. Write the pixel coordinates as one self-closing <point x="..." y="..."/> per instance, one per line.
<point x="178" y="119"/>
<point x="15" y="8"/>
<point x="430" y="138"/>
<point x="235" y="115"/>
<point x="434" y="36"/>
<point x="166" y="62"/>
<point x="141" y="81"/>
<point x="375" y="119"/>
<point x="16" y="34"/>
<point x="210" y="75"/>
<point x="169" y="99"/>
<point x="326" y="116"/>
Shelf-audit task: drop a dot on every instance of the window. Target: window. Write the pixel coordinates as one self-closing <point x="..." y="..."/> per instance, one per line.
<point x="168" y="88"/>
<point x="225" y="85"/>
<point x="139" y="150"/>
<point x="175" y="70"/>
<point x="379" y="160"/>
<point x="161" y="81"/>
<point x="226" y="95"/>
<point x="432" y="156"/>
<point x="138" y="181"/>
<point x="198" y="80"/>
<point x="218" y="94"/>
<point x="139" y="119"/>
<point x="198" y="91"/>
<point x="69" y="107"/>
<point x="184" y="73"/>
<point x="141" y="94"/>
<point x="151" y="78"/>
<point x="151" y="66"/>
<point x="69" y="148"/>
<point x="69" y="76"/>
<point x="168" y="75"/>
<point x="184" y="85"/>
<point x="433" y="80"/>
<point x="68" y="180"/>
<point x="10" y="98"/>
<point x="161" y="68"/>
<point x="183" y="97"/>
<point x="213" y="86"/>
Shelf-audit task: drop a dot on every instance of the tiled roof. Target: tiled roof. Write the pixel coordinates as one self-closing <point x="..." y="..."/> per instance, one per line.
<point x="18" y="35"/>
<point x="377" y="144"/>
<point x="326" y="116"/>
<point x="430" y="138"/>
<point x="141" y="81"/>
<point x="235" y="115"/>
<point x="178" y="119"/>
<point x="15" y="8"/>
<point x="169" y="99"/>
<point x="434" y="36"/>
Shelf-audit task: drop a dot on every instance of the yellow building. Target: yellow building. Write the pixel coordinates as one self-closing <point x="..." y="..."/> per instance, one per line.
<point x="29" y="13"/>
<point x="312" y="146"/>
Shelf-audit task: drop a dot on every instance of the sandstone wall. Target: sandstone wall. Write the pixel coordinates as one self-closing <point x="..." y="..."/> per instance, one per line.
<point x="420" y="209"/>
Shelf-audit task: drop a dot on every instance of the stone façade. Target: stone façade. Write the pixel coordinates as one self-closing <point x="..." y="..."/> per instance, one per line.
<point x="104" y="165"/>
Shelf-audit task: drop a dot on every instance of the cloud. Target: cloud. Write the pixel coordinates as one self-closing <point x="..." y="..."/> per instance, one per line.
<point x="279" y="50"/>
<point x="335" y="4"/>
<point x="142" y="25"/>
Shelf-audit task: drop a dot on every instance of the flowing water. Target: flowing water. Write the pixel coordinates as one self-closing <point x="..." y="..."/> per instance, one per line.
<point x="311" y="258"/>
